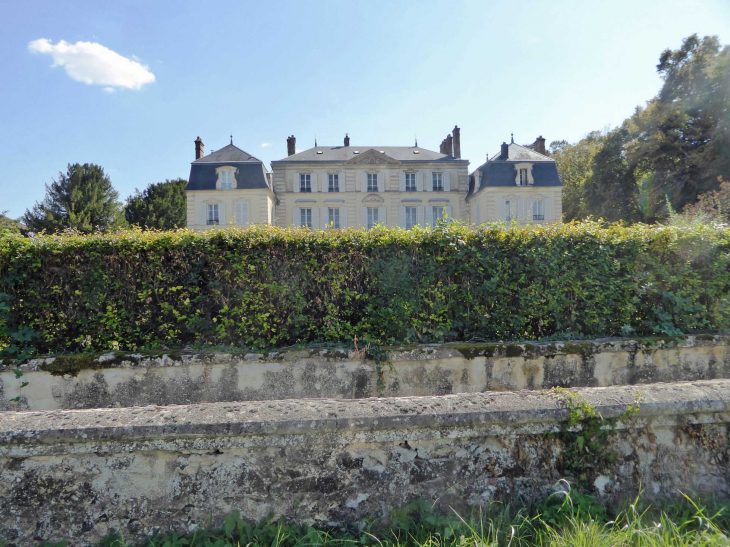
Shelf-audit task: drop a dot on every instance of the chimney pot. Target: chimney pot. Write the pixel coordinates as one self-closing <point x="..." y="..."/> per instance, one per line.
<point x="505" y="151"/>
<point x="347" y="140"/>
<point x="539" y="145"/>
<point x="291" y="146"/>
<point x="457" y="142"/>
<point x="449" y="145"/>
<point x="199" y="149"/>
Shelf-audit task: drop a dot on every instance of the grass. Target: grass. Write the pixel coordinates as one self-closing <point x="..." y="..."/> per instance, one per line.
<point x="565" y="519"/>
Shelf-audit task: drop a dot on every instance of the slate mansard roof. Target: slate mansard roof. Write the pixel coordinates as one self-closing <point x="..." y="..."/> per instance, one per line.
<point x="341" y="154"/>
<point x="251" y="173"/>
<point x="500" y="171"/>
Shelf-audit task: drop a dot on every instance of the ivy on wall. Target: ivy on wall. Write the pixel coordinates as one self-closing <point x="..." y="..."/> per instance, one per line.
<point x="265" y="286"/>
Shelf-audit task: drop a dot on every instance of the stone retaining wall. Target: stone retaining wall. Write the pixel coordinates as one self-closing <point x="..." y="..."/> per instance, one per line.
<point x="78" y="474"/>
<point x="128" y="379"/>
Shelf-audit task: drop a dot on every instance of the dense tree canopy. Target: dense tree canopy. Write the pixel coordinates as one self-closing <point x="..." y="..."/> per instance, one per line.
<point x="83" y="199"/>
<point x="160" y="206"/>
<point x="672" y="150"/>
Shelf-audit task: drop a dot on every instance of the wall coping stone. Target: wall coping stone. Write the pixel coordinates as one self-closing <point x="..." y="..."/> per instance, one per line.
<point x="72" y="364"/>
<point x="306" y="417"/>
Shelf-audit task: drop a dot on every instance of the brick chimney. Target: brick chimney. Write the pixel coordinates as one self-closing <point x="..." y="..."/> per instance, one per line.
<point x="199" y="146"/>
<point x="449" y="145"/>
<point x="457" y="142"/>
<point x="291" y="146"/>
<point x="539" y="146"/>
<point x="505" y="151"/>
<point x="347" y="140"/>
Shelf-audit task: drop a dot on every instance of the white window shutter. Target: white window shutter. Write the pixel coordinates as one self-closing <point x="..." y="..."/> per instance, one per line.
<point x="342" y="181"/>
<point x="222" y="220"/>
<point x="363" y="182"/>
<point x="429" y="184"/>
<point x="364" y="217"/>
<point x="325" y="182"/>
<point x="420" y="215"/>
<point x="521" y="209"/>
<point x="419" y="181"/>
<point x="402" y="223"/>
<point x="297" y="216"/>
<point x="238" y="213"/>
<point x="502" y="209"/>
<point x="295" y="182"/>
<point x="548" y="206"/>
<point x="429" y="215"/>
<point x="315" y="218"/>
<point x="313" y="179"/>
<point x="343" y="218"/>
<point x="530" y="208"/>
<point x="382" y="177"/>
<point x="447" y="181"/>
<point x="203" y="217"/>
<point x="381" y="216"/>
<point x="447" y="210"/>
<point x="402" y="181"/>
<point x="325" y="216"/>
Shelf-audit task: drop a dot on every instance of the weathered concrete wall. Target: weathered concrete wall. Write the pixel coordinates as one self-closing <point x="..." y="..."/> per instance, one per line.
<point x="82" y="473"/>
<point x="117" y="379"/>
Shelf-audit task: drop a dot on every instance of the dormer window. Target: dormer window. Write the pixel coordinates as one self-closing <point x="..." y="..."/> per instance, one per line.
<point x="523" y="177"/>
<point x="226" y="177"/>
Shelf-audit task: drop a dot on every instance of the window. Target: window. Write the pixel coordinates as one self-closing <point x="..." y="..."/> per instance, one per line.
<point x="438" y="212"/>
<point x="508" y="210"/>
<point x="334" y="181"/>
<point x="438" y="182"/>
<point x="241" y="213"/>
<point x="305" y="217"/>
<point x="226" y="180"/>
<point x="305" y="184"/>
<point x="372" y="182"/>
<point x="411" y="217"/>
<point x="538" y="210"/>
<point x="333" y="219"/>
<point x="213" y="213"/>
<point x="410" y="182"/>
<point x="523" y="177"/>
<point x="372" y="217"/>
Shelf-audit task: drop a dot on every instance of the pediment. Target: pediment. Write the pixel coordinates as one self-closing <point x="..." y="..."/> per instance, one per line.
<point x="373" y="157"/>
<point x="373" y="198"/>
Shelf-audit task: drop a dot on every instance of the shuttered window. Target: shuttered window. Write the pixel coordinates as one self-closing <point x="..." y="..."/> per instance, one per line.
<point x="438" y="213"/>
<point x="372" y="217"/>
<point x="305" y="183"/>
<point x="508" y="210"/>
<point x="411" y="217"/>
<point x="333" y="217"/>
<point x="334" y="183"/>
<point x="241" y="213"/>
<point x="372" y="182"/>
<point x="538" y="210"/>
<point x="410" y="182"/>
<point x="213" y="214"/>
<point x="305" y="218"/>
<point x="438" y="182"/>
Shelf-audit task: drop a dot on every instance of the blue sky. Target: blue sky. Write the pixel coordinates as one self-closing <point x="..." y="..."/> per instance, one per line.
<point x="162" y="73"/>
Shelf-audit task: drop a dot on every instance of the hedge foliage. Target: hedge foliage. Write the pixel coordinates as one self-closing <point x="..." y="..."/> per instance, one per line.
<point x="265" y="287"/>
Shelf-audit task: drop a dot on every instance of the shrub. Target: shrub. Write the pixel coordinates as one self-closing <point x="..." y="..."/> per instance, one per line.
<point x="265" y="286"/>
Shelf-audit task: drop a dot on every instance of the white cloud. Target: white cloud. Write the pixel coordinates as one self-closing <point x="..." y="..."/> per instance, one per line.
<point x="94" y="64"/>
<point x="265" y="144"/>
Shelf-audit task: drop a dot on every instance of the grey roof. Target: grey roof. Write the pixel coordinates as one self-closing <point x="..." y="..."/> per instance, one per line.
<point x="251" y="175"/>
<point x="517" y="152"/>
<point x="346" y="153"/>
<point x="227" y="154"/>
<point x="501" y="172"/>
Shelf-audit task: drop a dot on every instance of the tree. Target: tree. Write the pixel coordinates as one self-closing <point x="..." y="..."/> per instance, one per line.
<point x="611" y="189"/>
<point x="162" y="206"/>
<point x="681" y="139"/>
<point x="714" y="205"/>
<point x="574" y="163"/>
<point x="83" y="199"/>
<point x="8" y="224"/>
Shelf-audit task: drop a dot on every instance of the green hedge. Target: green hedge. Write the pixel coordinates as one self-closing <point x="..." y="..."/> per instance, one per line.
<point x="265" y="287"/>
